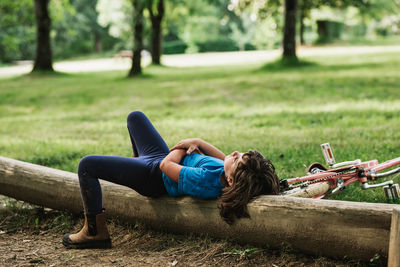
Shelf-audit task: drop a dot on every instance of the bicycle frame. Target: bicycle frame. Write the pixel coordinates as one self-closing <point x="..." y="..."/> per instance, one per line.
<point x="342" y="174"/>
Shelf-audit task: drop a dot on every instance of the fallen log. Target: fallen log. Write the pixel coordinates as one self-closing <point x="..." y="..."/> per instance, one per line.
<point x="394" y="242"/>
<point x="320" y="227"/>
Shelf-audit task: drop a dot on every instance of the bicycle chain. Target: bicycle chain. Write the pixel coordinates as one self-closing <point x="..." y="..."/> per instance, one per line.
<point x="306" y="183"/>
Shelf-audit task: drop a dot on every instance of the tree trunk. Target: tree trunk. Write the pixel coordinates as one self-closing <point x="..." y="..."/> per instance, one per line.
<point x="156" y="36"/>
<point x="302" y="26"/>
<point x="156" y="42"/>
<point x="97" y="43"/>
<point x="320" y="227"/>
<point x="289" y="35"/>
<point x="43" y="59"/>
<point x="138" y="21"/>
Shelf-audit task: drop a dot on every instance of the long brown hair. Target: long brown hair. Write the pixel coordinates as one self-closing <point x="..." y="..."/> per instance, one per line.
<point x="254" y="176"/>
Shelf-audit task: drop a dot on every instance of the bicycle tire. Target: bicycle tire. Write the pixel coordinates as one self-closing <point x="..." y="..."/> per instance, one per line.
<point x="310" y="191"/>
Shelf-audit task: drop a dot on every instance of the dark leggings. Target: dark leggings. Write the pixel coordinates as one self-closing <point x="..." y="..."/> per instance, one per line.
<point x="141" y="173"/>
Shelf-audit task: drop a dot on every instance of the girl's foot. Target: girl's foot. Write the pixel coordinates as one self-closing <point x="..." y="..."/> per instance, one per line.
<point x="94" y="234"/>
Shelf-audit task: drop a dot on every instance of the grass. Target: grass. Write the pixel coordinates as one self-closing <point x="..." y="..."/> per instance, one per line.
<point x="381" y="40"/>
<point x="353" y="102"/>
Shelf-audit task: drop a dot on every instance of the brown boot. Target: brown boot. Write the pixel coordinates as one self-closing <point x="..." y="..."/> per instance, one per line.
<point x="94" y="234"/>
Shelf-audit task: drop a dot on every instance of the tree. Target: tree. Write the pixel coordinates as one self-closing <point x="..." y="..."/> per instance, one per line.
<point x="138" y="21"/>
<point x="304" y="11"/>
<point x="268" y="8"/>
<point x="156" y="35"/>
<point x="367" y="8"/>
<point x="289" y="32"/>
<point x="43" y="59"/>
<point x="89" y="16"/>
<point x="17" y="30"/>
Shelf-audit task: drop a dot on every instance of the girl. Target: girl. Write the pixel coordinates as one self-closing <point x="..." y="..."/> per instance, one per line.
<point x="192" y="167"/>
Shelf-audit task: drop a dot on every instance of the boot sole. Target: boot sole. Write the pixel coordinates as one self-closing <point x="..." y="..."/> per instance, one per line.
<point x="100" y="244"/>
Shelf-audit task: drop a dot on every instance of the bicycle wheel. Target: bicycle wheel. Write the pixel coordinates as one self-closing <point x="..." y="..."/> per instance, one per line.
<point x="311" y="191"/>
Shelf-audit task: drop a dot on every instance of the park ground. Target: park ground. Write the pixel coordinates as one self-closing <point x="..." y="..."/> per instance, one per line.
<point x="348" y="99"/>
<point x="30" y="236"/>
<point x="196" y="60"/>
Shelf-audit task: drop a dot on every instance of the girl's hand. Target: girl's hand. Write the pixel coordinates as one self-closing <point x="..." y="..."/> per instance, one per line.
<point x="190" y="145"/>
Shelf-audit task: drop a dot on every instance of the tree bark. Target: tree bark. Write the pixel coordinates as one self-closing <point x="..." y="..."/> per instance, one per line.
<point x="320" y="227"/>
<point x="98" y="46"/>
<point x="156" y="36"/>
<point x="302" y="26"/>
<point x="289" y="34"/>
<point x="138" y="21"/>
<point x="43" y="59"/>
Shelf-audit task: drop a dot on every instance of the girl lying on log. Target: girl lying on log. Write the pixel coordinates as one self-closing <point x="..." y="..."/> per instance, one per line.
<point x="192" y="167"/>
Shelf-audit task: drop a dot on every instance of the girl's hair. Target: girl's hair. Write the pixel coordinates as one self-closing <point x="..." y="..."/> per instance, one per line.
<point x="254" y="176"/>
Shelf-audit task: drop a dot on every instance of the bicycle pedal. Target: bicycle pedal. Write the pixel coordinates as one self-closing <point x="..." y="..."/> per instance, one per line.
<point x="392" y="192"/>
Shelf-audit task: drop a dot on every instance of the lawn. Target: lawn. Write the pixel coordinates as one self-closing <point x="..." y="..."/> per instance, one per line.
<point x="353" y="102"/>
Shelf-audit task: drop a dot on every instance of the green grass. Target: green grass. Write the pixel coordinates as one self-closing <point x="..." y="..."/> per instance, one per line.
<point x="379" y="40"/>
<point x="353" y="102"/>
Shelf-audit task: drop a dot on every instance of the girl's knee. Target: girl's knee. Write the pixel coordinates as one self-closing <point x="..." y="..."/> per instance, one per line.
<point x="84" y="164"/>
<point x="135" y="115"/>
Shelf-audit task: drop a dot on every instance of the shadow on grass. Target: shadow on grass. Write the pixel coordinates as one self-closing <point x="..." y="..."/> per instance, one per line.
<point x="139" y="76"/>
<point x="295" y="64"/>
<point x="285" y="64"/>
<point x="39" y="75"/>
<point x="46" y="74"/>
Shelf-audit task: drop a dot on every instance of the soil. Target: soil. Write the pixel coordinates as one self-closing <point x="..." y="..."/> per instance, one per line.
<point x="31" y="236"/>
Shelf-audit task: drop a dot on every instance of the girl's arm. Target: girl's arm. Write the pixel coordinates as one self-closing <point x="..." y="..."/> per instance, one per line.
<point x="193" y="144"/>
<point x="170" y="164"/>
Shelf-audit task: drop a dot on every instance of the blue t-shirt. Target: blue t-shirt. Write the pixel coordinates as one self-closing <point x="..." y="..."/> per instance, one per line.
<point x="200" y="177"/>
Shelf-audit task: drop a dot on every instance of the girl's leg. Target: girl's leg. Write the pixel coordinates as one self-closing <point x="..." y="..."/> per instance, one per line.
<point x="141" y="174"/>
<point x="135" y="173"/>
<point x="145" y="139"/>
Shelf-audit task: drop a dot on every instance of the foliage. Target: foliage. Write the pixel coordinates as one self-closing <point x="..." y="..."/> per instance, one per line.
<point x="74" y="27"/>
<point x="221" y="44"/>
<point x="87" y="26"/>
<point x="211" y="25"/>
<point x="389" y="25"/>
<point x="116" y="15"/>
<point x="76" y="30"/>
<point x="368" y="12"/>
<point x="174" y="47"/>
<point x="17" y="31"/>
<point x="332" y="30"/>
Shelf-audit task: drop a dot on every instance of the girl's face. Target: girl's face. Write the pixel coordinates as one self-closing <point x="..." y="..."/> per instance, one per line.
<point x="230" y="164"/>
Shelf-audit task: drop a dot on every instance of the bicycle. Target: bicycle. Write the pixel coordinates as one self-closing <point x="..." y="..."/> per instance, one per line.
<point x="321" y="182"/>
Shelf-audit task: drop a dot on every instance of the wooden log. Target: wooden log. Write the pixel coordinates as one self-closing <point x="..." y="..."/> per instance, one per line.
<point x="319" y="227"/>
<point x="394" y="243"/>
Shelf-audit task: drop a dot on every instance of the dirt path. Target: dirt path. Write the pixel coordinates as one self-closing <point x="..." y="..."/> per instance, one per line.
<point x="31" y="236"/>
<point x="201" y="59"/>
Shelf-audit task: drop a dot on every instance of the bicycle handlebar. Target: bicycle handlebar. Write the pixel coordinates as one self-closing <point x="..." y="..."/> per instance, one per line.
<point x="383" y="174"/>
<point x="366" y="185"/>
